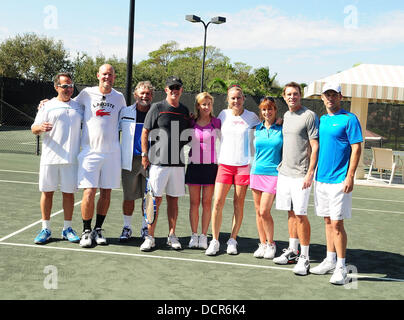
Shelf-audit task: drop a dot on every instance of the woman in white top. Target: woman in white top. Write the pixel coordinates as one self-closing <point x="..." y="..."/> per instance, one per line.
<point x="234" y="165"/>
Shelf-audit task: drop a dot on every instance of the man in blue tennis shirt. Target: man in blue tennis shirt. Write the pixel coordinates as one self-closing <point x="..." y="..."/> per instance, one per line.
<point x="340" y="138"/>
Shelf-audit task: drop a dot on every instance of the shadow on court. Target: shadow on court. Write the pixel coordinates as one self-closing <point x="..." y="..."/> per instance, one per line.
<point x="387" y="264"/>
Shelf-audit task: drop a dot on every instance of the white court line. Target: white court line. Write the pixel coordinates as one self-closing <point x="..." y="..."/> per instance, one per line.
<point x="384" y="200"/>
<point x="28" y="143"/>
<point x="94" y="251"/>
<point x="31" y="225"/>
<point x="15" y="171"/>
<point x="162" y="257"/>
<point x="228" y="198"/>
<point x="37" y="222"/>
<point x="358" y="209"/>
<point x="145" y="256"/>
<point x="19" y="182"/>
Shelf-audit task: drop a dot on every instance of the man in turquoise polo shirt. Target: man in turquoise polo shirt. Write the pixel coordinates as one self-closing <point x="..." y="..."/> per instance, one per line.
<point x="340" y="137"/>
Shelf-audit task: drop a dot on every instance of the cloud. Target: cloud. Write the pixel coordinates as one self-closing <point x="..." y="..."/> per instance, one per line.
<point x="266" y="28"/>
<point x="117" y="31"/>
<point x="4" y="33"/>
<point x="170" y="24"/>
<point x="270" y="29"/>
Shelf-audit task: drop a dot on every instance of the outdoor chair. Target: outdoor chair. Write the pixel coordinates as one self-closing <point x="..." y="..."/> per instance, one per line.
<point x="383" y="159"/>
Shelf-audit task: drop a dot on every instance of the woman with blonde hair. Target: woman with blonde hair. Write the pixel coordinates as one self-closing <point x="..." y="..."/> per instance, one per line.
<point x="234" y="169"/>
<point x="202" y="168"/>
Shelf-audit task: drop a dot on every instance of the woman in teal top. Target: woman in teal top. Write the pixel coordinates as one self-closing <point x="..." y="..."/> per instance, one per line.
<point x="264" y="175"/>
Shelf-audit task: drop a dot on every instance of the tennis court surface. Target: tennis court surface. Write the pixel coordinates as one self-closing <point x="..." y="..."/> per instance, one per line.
<point x="62" y="270"/>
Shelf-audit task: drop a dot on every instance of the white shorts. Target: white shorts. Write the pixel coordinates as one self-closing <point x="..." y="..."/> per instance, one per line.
<point x="331" y="201"/>
<point x="168" y="179"/>
<point x="291" y="196"/>
<point x="53" y="175"/>
<point x="99" y="170"/>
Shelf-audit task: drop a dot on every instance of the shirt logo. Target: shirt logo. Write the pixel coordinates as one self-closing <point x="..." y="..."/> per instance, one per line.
<point x="238" y="122"/>
<point x="102" y="112"/>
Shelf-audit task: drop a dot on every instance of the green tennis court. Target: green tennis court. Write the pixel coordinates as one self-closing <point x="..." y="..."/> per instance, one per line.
<point x="17" y="140"/>
<point x="61" y="270"/>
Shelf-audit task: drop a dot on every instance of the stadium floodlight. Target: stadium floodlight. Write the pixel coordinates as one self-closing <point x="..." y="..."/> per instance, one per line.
<point x="194" y="19"/>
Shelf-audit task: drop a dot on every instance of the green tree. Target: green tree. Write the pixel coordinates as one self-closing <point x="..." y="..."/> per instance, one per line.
<point x="265" y="84"/>
<point x="39" y="58"/>
<point x="156" y="67"/>
<point x="86" y="68"/>
<point x="29" y="56"/>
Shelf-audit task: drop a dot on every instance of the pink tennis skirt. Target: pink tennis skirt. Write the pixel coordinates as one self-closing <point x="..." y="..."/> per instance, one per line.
<point x="263" y="183"/>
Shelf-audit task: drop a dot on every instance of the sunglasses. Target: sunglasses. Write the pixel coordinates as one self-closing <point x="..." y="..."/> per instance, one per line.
<point x="174" y="87"/>
<point x="65" y="86"/>
<point x="267" y="98"/>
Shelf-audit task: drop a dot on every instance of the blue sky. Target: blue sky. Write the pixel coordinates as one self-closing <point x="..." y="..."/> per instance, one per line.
<point x="299" y="40"/>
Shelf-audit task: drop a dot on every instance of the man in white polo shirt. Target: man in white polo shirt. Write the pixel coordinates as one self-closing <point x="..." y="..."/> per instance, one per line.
<point x="59" y="120"/>
<point x="100" y="158"/>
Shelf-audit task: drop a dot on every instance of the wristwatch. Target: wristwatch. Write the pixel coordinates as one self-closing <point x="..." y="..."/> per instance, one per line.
<point x="144" y="154"/>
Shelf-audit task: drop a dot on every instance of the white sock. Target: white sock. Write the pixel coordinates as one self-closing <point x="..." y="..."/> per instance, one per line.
<point x="305" y="251"/>
<point x="46" y="224"/>
<point x="294" y="244"/>
<point x="331" y="256"/>
<point x="127" y="221"/>
<point x="340" y="262"/>
<point x="67" y="224"/>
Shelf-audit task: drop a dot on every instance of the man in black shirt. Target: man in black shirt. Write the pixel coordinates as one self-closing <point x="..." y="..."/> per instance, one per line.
<point x="164" y="126"/>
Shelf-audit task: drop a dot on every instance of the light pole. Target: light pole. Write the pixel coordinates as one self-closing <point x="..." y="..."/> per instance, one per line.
<point x="129" y="58"/>
<point x="215" y="20"/>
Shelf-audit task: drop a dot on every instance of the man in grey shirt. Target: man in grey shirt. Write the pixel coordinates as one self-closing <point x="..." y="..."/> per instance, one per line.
<point x="296" y="172"/>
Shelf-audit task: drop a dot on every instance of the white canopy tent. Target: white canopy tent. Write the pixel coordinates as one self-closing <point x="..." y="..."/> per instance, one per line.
<point x="363" y="84"/>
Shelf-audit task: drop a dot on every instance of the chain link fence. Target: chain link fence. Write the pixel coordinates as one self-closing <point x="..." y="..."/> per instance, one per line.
<point x="15" y="133"/>
<point x="18" y="106"/>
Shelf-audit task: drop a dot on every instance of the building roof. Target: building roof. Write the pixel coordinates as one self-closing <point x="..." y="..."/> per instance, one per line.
<point x="381" y="83"/>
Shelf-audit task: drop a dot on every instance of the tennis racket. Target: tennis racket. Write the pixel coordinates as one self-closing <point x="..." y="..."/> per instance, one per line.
<point x="149" y="203"/>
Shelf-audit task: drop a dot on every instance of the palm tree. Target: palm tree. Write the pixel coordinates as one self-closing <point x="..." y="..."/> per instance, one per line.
<point x="265" y="83"/>
<point x="219" y="85"/>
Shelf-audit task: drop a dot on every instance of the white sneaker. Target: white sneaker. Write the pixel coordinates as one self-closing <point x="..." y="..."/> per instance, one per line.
<point x="213" y="249"/>
<point x="98" y="237"/>
<point x="231" y="246"/>
<point x="203" y="241"/>
<point x="173" y="242"/>
<point x="339" y="276"/>
<point x="259" y="253"/>
<point x="287" y="257"/>
<point x="302" y="267"/>
<point x="194" y="242"/>
<point x="270" y="251"/>
<point x="86" y="239"/>
<point x="148" y="243"/>
<point x="324" y="267"/>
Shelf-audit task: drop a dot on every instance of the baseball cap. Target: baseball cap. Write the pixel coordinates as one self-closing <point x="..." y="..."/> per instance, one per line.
<point x="332" y="86"/>
<point x="171" y="81"/>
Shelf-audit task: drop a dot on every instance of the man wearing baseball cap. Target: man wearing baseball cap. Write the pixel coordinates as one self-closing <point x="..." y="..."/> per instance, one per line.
<point x="340" y="136"/>
<point x="163" y="125"/>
